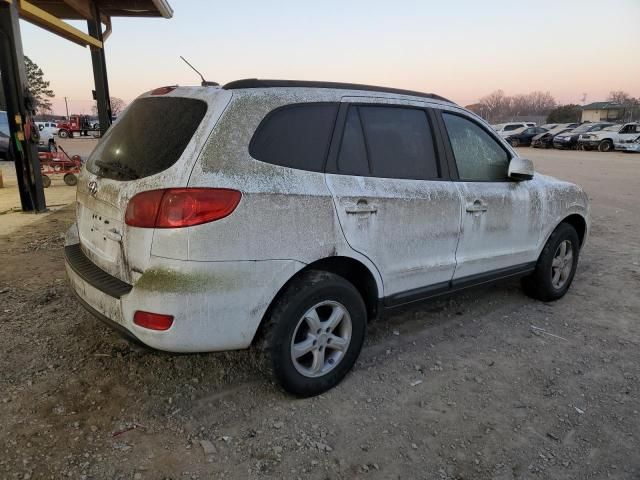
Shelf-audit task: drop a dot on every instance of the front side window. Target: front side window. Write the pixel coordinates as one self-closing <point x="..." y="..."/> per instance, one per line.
<point x="478" y="156"/>
<point x="295" y="136"/>
<point x="388" y="142"/>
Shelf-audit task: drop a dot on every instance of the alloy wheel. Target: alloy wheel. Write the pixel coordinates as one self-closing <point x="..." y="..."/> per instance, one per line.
<point x="562" y="264"/>
<point x="321" y="339"/>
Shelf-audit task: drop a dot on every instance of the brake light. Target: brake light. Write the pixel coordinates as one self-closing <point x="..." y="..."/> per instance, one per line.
<point x="180" y="207"/>
<point x="153" y="321"/>
<point x="163" y="90"/>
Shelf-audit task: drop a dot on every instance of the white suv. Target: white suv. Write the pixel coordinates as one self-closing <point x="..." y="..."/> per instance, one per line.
<point x="288" y="214"/>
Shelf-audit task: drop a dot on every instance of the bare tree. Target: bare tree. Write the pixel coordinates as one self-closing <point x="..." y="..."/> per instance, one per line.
<point x="619" y="96"/>
<point x="500" y="106"/>
<point x="117" y="106"/>
<point x="495" y="104"/>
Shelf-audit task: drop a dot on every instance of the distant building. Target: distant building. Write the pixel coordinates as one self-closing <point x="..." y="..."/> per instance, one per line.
<point x="603" y="112"/>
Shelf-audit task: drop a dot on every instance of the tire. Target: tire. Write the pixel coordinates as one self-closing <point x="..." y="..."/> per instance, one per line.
<point x="549" y="282"/>
<point x="62" y="133"/>
<point x="605" y="146"/>
<point x="46" y="181"/>
<point x="70" y="179"/>
<point x="514" y="142"/>
<point x="290" y="324"/>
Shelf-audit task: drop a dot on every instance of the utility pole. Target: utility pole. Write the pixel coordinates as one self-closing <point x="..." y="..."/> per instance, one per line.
<point x="66" y="106"/>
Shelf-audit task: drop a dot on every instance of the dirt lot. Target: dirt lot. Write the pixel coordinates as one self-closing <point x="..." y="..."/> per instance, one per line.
<point x="461" y="388"/>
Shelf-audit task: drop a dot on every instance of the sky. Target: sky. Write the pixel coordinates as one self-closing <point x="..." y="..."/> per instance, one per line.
<point x="460" y="49"/>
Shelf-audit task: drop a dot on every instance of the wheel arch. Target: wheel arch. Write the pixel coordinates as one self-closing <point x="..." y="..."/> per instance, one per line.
<point x="578" y="222"/>
<point x="349" y="268"/>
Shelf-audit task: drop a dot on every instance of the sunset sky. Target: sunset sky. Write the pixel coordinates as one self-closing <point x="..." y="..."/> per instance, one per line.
<point x="456" y="48"/>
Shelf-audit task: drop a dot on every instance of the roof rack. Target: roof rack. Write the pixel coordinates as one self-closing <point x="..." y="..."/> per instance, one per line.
<point x="257" y="83"/>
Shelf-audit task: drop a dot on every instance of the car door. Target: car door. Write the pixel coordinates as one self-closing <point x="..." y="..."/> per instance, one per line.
<point x="392" y="196"/>
<point x="628" y="132"/>
<point x="501" y="219"/>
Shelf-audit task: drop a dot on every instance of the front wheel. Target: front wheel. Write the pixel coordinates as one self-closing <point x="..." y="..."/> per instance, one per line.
<point x="315" y="333"/>
<point x="556" y="265"/>
<point x="605" y="146"/>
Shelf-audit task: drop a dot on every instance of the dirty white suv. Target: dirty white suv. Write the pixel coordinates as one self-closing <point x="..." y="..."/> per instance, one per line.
<point x="288" y="214"/>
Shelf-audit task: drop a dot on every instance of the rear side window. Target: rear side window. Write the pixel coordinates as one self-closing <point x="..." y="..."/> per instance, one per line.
<point x="148" y="138"/>
<point x="478" y="156"/>
<point x="295" y="136"/>
<point x="512" y="127"/>
<point x="388" y="142"/>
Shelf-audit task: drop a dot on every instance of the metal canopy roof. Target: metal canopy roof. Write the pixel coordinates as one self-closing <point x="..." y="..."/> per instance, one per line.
<point x="72" y="9"/>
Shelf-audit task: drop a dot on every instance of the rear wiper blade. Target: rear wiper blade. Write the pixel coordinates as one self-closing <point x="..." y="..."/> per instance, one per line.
<point x="114" y="167"/>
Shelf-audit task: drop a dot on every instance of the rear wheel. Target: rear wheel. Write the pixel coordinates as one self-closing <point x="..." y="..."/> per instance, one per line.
<point x="605" y="146"/>
<point x="514" y="142"/>
<point x="315" y="333"/>
<point x="46" y="181"/>
<point x="70" y="179"/>
<point x="556" y="265"/>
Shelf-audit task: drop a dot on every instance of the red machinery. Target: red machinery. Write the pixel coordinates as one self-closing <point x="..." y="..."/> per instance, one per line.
<point x="59" y="163"/>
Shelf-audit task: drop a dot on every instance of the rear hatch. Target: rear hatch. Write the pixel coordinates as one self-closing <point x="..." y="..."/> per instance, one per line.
<point x="153" y="145"/>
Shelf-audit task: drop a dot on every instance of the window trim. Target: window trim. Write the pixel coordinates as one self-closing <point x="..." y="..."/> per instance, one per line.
<point x="451" y="159"/>
<point x="336" y="141"/>
<point x="266" y="118"/>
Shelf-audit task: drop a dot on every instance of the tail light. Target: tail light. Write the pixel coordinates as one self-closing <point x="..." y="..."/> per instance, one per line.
<point x="180" y="207"/>
<point x="153" y="321"/>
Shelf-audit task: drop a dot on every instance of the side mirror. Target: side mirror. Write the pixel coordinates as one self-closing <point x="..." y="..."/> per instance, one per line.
<point x="521" y="169"/>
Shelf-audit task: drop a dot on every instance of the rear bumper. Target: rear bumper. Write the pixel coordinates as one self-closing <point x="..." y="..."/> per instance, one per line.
<point x="216" y="305"/>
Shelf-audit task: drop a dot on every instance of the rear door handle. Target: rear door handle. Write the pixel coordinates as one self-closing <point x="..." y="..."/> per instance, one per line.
<point x="361" y="207"/>
<point x="477" y="206"/>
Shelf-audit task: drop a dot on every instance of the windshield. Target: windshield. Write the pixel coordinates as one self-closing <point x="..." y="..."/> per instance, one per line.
<point x="148" y="138"/>
<point x="585" y="127"/>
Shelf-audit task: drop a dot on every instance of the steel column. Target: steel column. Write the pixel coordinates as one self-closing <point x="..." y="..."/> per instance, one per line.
<point x="100" y="71"/>
<point x="22" y="150"/>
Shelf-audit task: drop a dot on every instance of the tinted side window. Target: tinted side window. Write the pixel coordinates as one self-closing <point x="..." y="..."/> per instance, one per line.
<point x="295" y="136"/>
<point x="478" y="156"/>
<point x="352" y="159"/>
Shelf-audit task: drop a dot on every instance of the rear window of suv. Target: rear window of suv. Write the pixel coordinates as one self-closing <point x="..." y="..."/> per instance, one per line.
<point x="148" y="138"/>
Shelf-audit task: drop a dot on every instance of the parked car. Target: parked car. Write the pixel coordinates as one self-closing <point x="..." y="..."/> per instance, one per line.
<point x="604" y="139"/>
<point x="628" y="145"/>
<point x="523" y="137"/>
<point x="48" y="131"/>
<point x="5" y="135"/>
<point x="506" y="129"/>
<point x="287" y="215"/>
<point x="545" y="139"/>
<point x="570" y="139"/>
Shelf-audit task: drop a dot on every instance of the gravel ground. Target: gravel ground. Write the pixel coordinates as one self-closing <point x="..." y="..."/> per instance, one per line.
<point x="484" y="385"/>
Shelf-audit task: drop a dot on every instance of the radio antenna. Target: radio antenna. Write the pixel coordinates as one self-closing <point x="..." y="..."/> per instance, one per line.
<point x="204" y="82"/>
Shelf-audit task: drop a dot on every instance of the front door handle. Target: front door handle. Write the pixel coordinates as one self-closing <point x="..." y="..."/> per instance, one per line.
<point x="477" y="206"/>
<point x="361" y="207"/>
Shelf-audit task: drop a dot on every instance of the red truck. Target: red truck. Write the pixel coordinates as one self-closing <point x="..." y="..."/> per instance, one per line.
<point x="77" y="124"/>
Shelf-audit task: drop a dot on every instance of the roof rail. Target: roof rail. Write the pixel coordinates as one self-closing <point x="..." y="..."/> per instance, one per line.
<point x="258" y="83"/>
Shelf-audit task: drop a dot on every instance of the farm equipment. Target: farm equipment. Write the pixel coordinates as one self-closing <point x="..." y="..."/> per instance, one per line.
<point x="59" y="163"/>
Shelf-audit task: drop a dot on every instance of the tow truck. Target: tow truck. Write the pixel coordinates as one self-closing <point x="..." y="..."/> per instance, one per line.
<point x="78" y="124"/>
